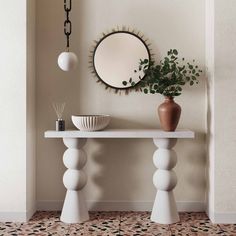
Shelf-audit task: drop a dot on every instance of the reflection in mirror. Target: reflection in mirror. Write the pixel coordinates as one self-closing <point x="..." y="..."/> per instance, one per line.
<point x="116" y="59"/>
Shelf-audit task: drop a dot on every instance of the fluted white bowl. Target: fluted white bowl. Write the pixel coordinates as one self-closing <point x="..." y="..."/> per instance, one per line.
<point x="91" y="122"/>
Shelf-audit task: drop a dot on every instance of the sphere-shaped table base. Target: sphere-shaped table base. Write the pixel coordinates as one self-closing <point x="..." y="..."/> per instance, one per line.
<point x="74" y="209"/>
<point x="164" y="209"/>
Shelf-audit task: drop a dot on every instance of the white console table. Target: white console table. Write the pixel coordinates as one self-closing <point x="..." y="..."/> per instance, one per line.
<point x="164" y="209"/>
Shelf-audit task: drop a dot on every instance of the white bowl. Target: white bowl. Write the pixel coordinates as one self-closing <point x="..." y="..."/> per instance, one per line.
<point x="91" y="122"/>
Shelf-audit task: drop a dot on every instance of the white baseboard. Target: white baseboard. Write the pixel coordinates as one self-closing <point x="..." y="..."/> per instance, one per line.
<point x="30" y="213"/>
<point x="16" y="216"/>
<point x="222" y="218"/>
<point x="121" y="206"/>
<point x="215" y="217"/>
<point x="210" y="214"/>
<point x="13" y="216"/>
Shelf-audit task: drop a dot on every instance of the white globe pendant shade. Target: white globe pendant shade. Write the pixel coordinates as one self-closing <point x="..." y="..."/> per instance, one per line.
<point x="67" y="61"/>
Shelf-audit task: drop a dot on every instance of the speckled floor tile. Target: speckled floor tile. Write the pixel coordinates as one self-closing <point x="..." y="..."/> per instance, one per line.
<point x="191" y="216"/>
<point x="228" y="229"/>
<point x="44" y="223"/>
<point x="43" y="228"/>
<point x="100" y="224"/>
<point x="195" y="227"/>
<point x="135" y="216"/>
<point x="104" y="215"/>
<point x="42" y="216"/>
<point x="139" y="223"/>
<point x="117" y="224"/>
<point x="9" y="228"/>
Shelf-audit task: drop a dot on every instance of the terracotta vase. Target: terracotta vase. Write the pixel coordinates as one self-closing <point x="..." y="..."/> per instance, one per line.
<point x="169" y="114"/>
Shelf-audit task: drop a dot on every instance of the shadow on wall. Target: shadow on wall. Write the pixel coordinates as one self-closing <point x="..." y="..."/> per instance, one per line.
<point x="191" y="166"/>
<point x="120" y="171"/>
<point x="209" y="142"/>
<point x="198" y="160"/>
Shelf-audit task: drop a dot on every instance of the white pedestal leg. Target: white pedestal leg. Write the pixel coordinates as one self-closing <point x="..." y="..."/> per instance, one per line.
<point x="74" y="208"/>
<point x="164" y="209"/>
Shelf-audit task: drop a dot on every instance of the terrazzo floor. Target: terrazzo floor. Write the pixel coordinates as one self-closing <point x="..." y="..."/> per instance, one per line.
<point x="115" y="224"/>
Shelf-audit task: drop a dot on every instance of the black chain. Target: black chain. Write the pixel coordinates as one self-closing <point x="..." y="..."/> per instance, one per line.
<point x="67" y="23"/>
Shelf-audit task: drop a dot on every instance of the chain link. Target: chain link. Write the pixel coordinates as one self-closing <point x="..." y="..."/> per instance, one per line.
<point x="67" y="23"/>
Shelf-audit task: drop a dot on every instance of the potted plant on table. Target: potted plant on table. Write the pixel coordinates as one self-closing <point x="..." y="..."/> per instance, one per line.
<point x="167" y="78"/>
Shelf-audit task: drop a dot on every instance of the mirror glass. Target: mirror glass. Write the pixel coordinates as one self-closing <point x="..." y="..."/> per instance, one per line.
<point x="116" y="59"/>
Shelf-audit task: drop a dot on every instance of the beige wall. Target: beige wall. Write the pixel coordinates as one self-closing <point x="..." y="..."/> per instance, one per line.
<point x="31" y="109"/>
<point x="118" y="170"/>
<point x="225" y="114"/>
<point x="13" y="97"/>
<point x="221" y="52"/>
<point x="17" y="137"/>
<point x="210" y="141"/>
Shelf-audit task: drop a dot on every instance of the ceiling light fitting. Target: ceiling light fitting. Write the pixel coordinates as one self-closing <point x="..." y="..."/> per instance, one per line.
<point x="67" y="60"/>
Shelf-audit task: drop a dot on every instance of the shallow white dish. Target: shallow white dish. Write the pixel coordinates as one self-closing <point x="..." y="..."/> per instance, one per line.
<point x="91" y="122"/>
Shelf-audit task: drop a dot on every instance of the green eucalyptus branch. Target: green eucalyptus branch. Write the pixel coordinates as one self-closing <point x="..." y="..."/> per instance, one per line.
<point x="168" y="77"/>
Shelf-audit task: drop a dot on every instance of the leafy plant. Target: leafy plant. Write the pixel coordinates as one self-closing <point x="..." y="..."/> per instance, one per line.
<point x="168" y="77"/>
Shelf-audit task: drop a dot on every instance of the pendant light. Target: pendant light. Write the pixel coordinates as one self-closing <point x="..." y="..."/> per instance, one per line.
<point x="67" y="60"/>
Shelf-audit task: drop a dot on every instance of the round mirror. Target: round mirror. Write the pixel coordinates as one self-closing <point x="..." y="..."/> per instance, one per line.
<point x="116" y="59"/>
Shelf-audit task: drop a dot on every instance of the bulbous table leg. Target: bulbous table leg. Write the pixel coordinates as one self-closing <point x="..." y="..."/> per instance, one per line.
<point x="164" y="209"/>
<point x="74" y="208"/>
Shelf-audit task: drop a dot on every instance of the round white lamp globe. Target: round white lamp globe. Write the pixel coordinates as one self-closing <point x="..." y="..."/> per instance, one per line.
<point x="67" y="61"/>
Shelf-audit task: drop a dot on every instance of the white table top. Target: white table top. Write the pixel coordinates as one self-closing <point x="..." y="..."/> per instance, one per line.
<point x="120" y="133"/>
